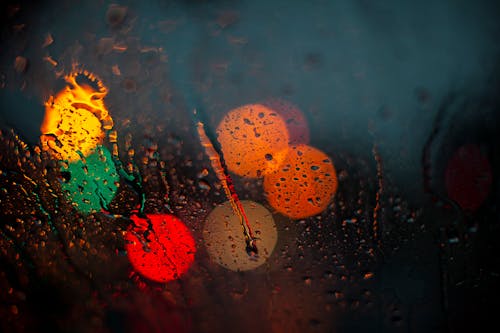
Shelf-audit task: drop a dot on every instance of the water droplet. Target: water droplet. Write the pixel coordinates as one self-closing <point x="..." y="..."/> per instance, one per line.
<point x="204" y="185"/>
<point x="115" y="15"/>
<point x="352" y="220"/>
<point x="202" y="173"/>
<point x="20" y="64"/>
<point x="307" y="280"/>
<point x="473" y="228"/>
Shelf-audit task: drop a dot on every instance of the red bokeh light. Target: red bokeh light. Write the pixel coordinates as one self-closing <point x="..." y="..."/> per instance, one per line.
<point x="162" y="251"/>
<point x="295" y="120"/>
<point x="468" y="177"/>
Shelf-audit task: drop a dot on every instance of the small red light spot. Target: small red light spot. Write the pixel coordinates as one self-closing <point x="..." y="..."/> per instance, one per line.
<point x="468" y="177"/>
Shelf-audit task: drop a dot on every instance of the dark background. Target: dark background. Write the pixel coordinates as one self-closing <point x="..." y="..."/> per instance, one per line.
<point x="416" y="80"/>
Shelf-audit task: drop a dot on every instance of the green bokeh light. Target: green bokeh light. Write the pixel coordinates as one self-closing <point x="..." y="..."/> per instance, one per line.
<point x="90" y="183"/>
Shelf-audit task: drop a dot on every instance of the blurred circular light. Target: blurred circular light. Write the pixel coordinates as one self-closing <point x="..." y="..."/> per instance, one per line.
<point x="468" y="177"/>
<point x="296" y="122"/>
<point x="90" y="183"/>
<point x="254" y="140"/>
<point x="75" y="119"/>
<point x="161" y="251"/>
<point x="304" y="184"/>
<point x="225" y="241"/>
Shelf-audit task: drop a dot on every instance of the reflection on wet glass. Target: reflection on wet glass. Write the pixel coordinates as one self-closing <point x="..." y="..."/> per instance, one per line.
<point x="76" y="118"/>
<point x="304" y="185"/>
<point x="301" y="214"/>
<point x="160" y="247"/>
<point x="90" y="183"/>
<point x="225" y="242"/>
<point x="253" y="139"/>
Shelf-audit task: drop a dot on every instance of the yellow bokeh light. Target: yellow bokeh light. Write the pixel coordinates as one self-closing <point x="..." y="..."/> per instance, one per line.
<point x="225" y="240"/>
<point x="75" y="119"/>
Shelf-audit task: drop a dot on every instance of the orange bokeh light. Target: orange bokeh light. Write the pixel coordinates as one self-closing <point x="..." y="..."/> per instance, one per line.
<point x="75" y="119"/>
<point x="304" y="184"/>
<point x="254" y="140"/>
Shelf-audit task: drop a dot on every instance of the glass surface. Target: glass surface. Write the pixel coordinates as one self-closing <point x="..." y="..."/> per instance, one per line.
<point x="249" y="166"/>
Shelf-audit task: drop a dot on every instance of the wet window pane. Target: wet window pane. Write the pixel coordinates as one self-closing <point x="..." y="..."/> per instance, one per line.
<point x="249" y="166"/>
